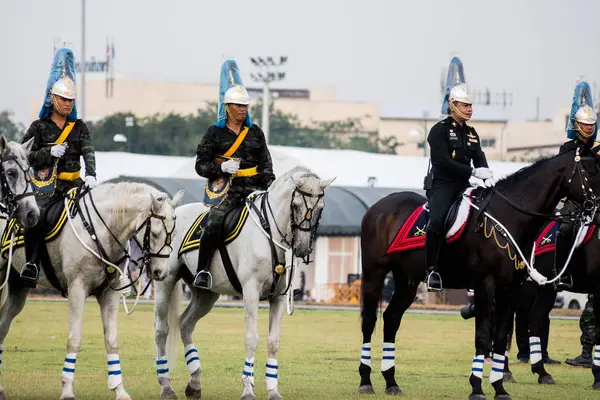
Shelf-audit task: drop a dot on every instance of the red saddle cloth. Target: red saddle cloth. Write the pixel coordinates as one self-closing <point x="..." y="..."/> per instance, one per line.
<point x="546" y="241"/>
<point x="411" y="234"/>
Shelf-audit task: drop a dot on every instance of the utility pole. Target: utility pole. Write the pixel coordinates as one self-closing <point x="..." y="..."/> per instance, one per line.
<point x="82" y="97"/>
<point x="269" y="72"/>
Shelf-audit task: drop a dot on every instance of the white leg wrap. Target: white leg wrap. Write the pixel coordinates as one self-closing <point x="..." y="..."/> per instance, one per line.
<point x="535" y="349"/>
<point x="162" y="369"/>
<point x="114" y="371"/>
<point x="497" y="368"/>
<point x="597" y="355"/>
<point x="271" y="373"/>
<point x="192" y="360"/>
<point x="477" y="367"/>
<point x="388" y="357"/>
<point x="69" y="367"/>
<point x="248" y="373"/>
<point x="365" y="355"/>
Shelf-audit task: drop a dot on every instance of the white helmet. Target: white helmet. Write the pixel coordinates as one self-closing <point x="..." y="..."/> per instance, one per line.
<point x="586" y="115"/>
<point x="237" y="95"/>
<point x="460" y="92"/>
<point x="64" y="87"/>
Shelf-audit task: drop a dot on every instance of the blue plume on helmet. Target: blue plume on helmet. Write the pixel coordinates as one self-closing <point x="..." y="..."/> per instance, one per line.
<point x="63" y="65"/>
<point x="456" y="75"/>
<point x="230" y="75"/>
<point x="581" y="97"/>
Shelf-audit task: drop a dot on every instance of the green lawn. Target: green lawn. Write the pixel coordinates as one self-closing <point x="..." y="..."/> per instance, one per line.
<point x="318" y="358"/>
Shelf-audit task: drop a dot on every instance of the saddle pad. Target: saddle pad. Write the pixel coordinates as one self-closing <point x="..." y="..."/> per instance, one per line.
<point x="56" y="216"/>
<point x="411" y="234"/>
<point x="546" y="241"/>
<point x="234" y="226"/>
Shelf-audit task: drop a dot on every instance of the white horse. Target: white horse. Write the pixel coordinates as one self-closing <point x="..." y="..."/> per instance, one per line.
<point x="114" y="214"/>
<point x="292" y="206"/>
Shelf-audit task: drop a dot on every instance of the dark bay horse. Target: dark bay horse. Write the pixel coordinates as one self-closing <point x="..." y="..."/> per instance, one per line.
<point x="477" y="260"/>
<point x="584" y="268"/>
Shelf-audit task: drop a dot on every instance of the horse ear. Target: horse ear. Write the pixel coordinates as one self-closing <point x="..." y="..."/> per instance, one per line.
<point x="28" y="145"/>
<point x="177" y="198"/>
<point x="326" y="182"/>
<point x="3" y="143"/>
<point x="156" y="203"/>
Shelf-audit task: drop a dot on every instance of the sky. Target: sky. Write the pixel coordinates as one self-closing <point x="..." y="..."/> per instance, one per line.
<point x="389" y="51"/>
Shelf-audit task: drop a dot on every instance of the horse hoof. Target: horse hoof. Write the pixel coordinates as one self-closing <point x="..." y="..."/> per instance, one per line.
<point x="505" y="396"/>
<point x="508" y="378"/>
<point x="595" y="386"/>
<point x="248" y="397"/>
<point x="366" y="389"/>
<point x="192" y="394"/>
<point x="275" y="396"/>
<point x="2" y="395"/>
<point x="394" y="391"/>
<point x="168" y="393"/>
<point x="477" y="397"/>
<point x="546" y="380"/>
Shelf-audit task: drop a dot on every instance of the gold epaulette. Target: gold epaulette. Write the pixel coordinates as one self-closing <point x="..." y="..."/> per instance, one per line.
<point x="596" y="144"/>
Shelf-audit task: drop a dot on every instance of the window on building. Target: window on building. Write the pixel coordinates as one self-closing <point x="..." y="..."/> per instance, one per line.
<point x="488" y="142"/>
<point x="342" y="259"/>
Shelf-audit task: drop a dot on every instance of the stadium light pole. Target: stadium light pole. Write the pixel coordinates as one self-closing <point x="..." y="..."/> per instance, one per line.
<point x="269" y="71"/>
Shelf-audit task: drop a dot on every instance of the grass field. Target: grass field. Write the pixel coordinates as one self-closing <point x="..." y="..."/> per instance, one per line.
<point x="318" y="358"/>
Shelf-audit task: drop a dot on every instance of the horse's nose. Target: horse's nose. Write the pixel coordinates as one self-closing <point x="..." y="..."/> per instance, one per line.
<point x="31" y="218"/>
<point x="158" y="275"/>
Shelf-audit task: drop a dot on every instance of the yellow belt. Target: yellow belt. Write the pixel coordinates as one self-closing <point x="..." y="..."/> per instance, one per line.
<point x="69" y="176"/>
<point x="246" y="172"/>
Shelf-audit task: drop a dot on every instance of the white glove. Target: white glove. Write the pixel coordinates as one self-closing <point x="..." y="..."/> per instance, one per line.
<point x="90" y="181"/>
<point x="230" y="166"/>
<point x="489" y="182"/>
<point x="482" y="173"/>
<point x="58" y="150"/>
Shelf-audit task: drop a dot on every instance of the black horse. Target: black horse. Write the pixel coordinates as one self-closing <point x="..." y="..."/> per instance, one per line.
<point x="477" y="260"/>
<point x="585" y="271"/>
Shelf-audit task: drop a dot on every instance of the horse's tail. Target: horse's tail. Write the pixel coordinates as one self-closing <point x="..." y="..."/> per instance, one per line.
<point x="173" y="338"/>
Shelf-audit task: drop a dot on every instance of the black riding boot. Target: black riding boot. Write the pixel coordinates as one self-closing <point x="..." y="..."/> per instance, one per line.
<point x="208" y="243"/>
<point x="30" y="271"/>
<point x="563" y="247"/>
<point x="433" y="243"/>
<point x="583" y="360"/>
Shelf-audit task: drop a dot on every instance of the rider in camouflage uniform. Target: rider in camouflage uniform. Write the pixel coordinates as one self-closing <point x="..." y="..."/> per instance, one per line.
<point x="248" y="168"/>
<point x="57" y="112"/>
<point x="587" y="323"/>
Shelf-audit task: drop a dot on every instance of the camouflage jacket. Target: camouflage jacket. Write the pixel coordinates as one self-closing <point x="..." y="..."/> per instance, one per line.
<point x="253" y="152"/>
<point x="44" y="131"/>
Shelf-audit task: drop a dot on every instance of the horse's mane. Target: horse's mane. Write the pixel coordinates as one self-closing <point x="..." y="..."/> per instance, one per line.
<point x="524" y="173"/>
<point x="123" y="194"/>
<point x="312" y="183"/>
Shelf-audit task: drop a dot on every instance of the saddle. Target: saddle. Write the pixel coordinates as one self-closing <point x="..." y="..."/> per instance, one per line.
<point x="53" y="220"/>
<point x="411" y="234"/>
<point x="230" y="229"/>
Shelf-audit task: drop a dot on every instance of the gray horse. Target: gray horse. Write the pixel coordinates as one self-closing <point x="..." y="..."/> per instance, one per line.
<point x="294" y="203"/>
<point x="116" y="213"/>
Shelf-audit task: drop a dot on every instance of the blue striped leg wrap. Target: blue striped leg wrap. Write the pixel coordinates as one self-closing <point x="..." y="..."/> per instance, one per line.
<point x="477" y="367"/>
<point x="192" y="360"/>
<point x="69" y="367"/>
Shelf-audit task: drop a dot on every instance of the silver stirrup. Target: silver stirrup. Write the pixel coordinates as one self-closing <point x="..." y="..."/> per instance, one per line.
<point x="210" y="281"/>
<point x="429" y="288"/>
